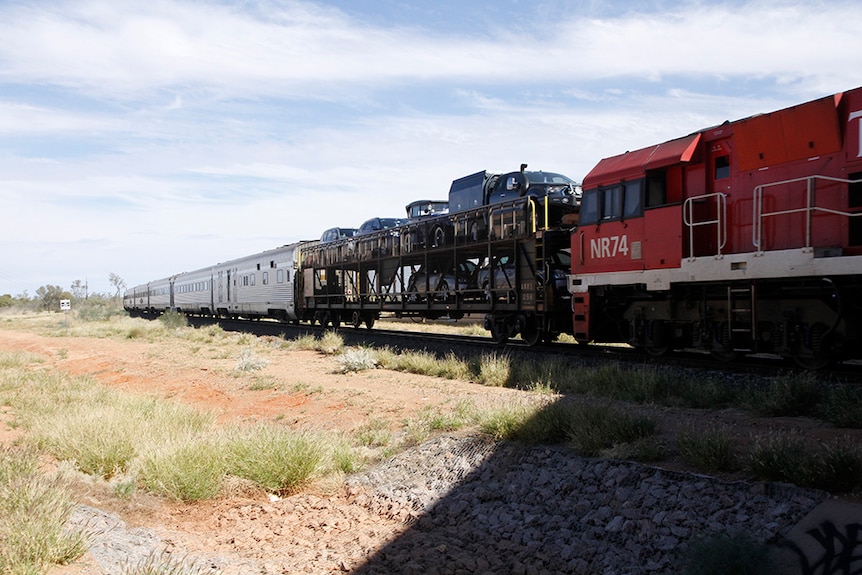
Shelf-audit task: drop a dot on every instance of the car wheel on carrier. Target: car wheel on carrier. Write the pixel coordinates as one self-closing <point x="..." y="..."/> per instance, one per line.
<point x="438" y="237"/>
<point x="443" y="290"/>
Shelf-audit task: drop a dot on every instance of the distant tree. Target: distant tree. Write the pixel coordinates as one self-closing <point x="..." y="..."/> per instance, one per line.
<point x="118" y="283"/>
<point x="79" y="289"/>
<point x="49" y="297"/>
<point x="6" y="300"/>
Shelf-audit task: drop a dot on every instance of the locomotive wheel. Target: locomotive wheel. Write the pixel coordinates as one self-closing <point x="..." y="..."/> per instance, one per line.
<point x="655" y="342"/>
<point x="724" y="355"/>
<point x="656" y="350"/>
<point x="819" y="353"/>
<point x="722" y="349"/>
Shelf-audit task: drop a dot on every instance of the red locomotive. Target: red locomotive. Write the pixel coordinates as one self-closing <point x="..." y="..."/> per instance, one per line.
<point x="741" y="238"/>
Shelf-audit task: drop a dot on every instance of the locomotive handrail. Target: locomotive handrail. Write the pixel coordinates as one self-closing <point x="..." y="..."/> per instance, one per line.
<point x="810" y="207"/>
<point x="533" y="212"/>
<point x="720" y="221"/>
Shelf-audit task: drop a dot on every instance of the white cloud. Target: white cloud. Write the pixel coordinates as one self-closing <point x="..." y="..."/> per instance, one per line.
<point x="291" y="48"/>
<point x="144" y="138"/>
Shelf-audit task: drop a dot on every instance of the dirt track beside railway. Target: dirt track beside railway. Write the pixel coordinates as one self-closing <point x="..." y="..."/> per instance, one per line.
<point x="312" y="392"/>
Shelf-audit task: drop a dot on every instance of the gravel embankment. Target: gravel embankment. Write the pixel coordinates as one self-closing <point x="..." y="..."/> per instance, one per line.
<point x="477" y="507"/>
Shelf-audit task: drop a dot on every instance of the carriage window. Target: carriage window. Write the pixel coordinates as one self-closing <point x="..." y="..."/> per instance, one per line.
<point x="590" y="207"/>
<point x="722" y="167"/>
<point x="265" y="278"/>
<point x="612" y="203"/>
<point x="280" y="276"/>
<point x="632" y="204"/>
<point x="253" y="276"/>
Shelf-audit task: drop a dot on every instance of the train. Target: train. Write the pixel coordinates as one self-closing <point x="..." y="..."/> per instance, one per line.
<point x="741" y="238"/>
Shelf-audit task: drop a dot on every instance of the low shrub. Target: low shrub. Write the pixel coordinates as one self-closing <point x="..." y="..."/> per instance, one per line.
<point x="357" y="359"/>
<point x="172" y="319"/>
<point x="331" y="343"/>
<point x="249" y="361"/>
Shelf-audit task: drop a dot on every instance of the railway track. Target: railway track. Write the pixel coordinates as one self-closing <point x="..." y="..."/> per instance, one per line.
<point x="467" y="346"/>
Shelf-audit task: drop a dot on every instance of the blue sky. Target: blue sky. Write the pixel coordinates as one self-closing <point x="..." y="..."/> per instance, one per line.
<point x="148" y="138"/>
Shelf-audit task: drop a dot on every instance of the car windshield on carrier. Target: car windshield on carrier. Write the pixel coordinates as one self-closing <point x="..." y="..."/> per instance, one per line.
<point x="547" y="178"/>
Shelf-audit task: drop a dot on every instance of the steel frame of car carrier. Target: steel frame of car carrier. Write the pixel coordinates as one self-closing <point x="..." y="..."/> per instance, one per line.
<point x="355" y="280"/>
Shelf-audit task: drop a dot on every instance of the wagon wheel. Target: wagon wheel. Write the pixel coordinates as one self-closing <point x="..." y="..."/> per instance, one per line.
<point x="531" y="334"/>
<point x="499" y="333"/>
<point x="356" y="319"/>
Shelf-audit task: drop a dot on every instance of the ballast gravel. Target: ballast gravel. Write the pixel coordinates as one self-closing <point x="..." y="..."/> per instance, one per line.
<point x="466" y="505"/>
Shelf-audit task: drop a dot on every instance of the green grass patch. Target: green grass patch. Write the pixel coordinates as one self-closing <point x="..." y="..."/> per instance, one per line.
<point x="188" y="471"/>
<point x="493" y="369"/>
<point x="842" y="406"/>
<point x="786" y="396"/>
<point x="590" y="430"/>
<point x="278" y="459"/>
<point x="835" y="467"/>
<point x="33" y="511"/>
<point x="373" y="433"/>
<point x="711" y="450"/>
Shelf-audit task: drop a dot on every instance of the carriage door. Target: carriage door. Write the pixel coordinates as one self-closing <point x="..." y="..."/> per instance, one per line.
<point x="220" y="286"/>
<point x="711" y="233"/>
